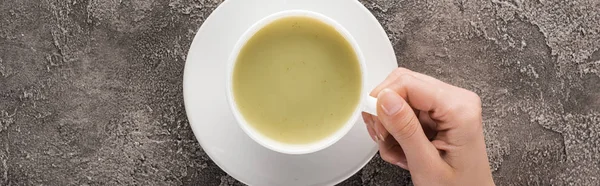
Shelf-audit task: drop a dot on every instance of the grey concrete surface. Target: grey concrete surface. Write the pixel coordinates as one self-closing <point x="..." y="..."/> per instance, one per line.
<point x="91" y="90"/>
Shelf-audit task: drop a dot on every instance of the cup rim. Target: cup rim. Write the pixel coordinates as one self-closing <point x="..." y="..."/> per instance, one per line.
<point x="294" y="149"/>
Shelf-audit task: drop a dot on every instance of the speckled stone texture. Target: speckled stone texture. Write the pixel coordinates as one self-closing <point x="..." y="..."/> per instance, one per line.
<point x="91" y="90"/>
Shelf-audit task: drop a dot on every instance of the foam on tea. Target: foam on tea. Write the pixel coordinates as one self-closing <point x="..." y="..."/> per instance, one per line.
<point x="297" y="80"/>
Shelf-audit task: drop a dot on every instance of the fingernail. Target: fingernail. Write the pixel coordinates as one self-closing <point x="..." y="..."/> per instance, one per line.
<point x="381" y="137"/>
<point x="376" y="139"/>
<point x="391" y="102"/>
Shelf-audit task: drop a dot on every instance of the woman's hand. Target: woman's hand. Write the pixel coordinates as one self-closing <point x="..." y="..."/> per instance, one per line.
<point x="430" y="128"/>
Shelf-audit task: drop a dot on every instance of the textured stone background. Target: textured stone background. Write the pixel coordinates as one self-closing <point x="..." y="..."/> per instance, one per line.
<point x="91" y="90"/>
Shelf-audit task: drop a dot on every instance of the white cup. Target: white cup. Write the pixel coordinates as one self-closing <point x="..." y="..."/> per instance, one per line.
<point x="366" y="104"/>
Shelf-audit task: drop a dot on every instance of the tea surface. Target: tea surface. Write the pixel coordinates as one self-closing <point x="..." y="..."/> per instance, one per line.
<point x="297" y="80"/>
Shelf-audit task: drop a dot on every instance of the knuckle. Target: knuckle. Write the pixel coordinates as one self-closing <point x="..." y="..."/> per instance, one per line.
<point x="399" y="71"/>
<point x="406" y="76"/>
<point x="404" y="79"/>
<point x="471" y="102"/>
<point x="475" y="106"/>
<point x="467" y="109"/>
<point x="475" y="99"/>
<point x="471" y="112"/>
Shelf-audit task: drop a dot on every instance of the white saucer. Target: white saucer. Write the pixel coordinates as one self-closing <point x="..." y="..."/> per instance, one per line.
<point x="215" y="126"/>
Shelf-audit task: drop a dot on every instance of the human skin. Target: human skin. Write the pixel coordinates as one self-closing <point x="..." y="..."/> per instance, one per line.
<point x="430" y="128"/>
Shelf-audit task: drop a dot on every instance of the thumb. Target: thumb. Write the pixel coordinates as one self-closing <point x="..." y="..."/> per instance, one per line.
<point x="399" y="119"/>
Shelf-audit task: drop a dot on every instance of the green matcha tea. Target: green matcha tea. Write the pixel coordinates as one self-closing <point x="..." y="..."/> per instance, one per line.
<point x="297" y="80"/>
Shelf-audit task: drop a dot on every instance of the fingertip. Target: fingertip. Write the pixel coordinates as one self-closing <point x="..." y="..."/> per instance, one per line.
<point x="367" y="118"/>
<point x="390" y="102"/>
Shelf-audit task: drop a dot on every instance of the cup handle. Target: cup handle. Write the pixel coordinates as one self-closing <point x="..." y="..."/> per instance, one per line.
<point x="370" y="105"/>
